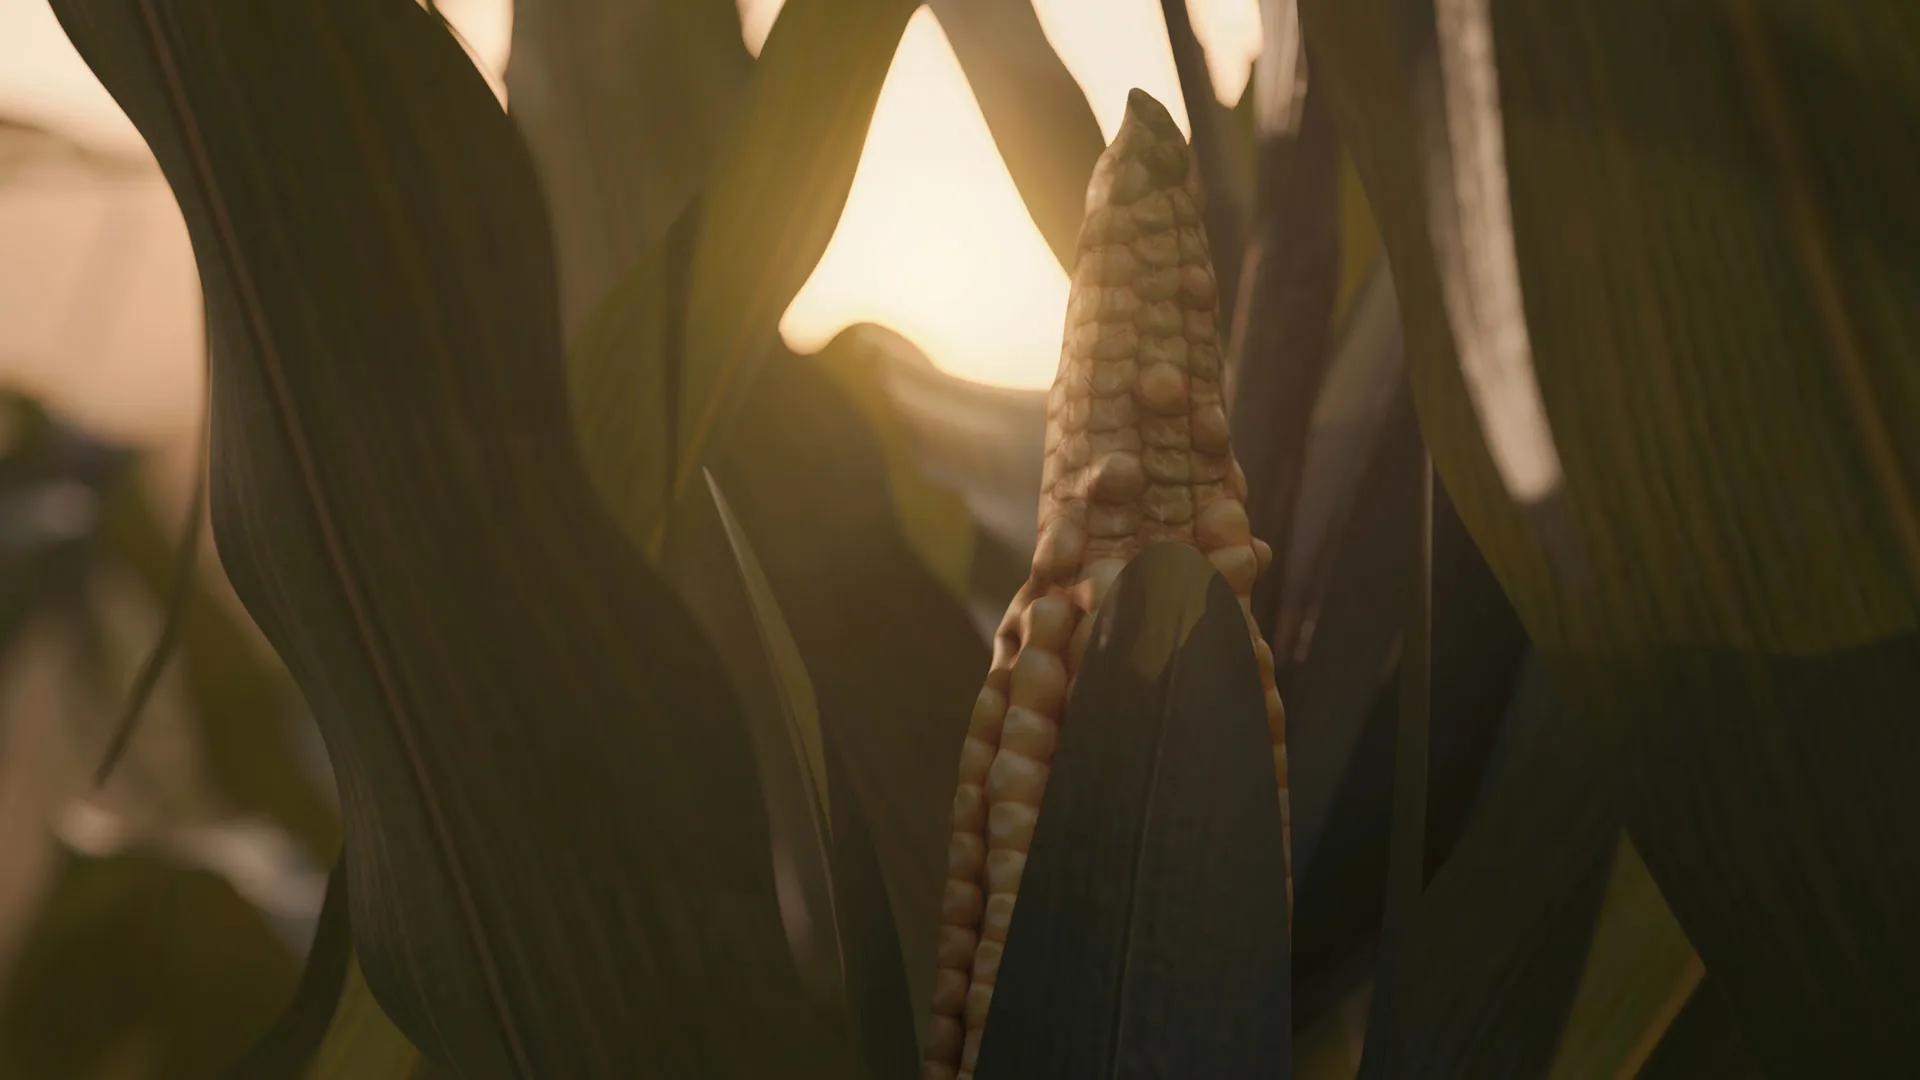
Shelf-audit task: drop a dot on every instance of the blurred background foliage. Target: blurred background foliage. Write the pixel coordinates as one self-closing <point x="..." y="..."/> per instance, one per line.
<point x="819" y="251"/>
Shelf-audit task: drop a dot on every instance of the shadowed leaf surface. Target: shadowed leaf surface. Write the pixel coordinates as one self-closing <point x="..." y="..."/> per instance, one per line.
<point x="1639" y="973"/>
<point x="290" y="1046"/>
<point x="1151" y="934"/>
<point x="1487" y="984"/>
<point x="1702" y="1042"/>
<point x="664" y="78"/>
<point x="332" y="1029"/>
<point x="657" y="382"/>
<point x="894" y="661"/>
<point x="555" y="866"/>
<point x="1722" y="345"/>
<point x="786" y="737"/>
<point x="241" y="697"/>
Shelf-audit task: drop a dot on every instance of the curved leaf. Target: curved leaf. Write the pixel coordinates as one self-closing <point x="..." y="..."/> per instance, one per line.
<point x="1687" y="188"/>
<point x="984" y="442"/>
<point x="862" y="360"/>
<point x="541" y="770"/>
<point x="1039" y="116"/>
<point x="767" y="211"/>
<point x="624" y="106"/>
<point x="1151" y="934"/>
<point x="1504" y="927"/>
<point x="287" y="1049"/>
<point x="240" y="695"/>
<point x="793" y="767"/>
<point x="362" y="1044"/>
<point x="1639" y="973"/>
<point x="893" y="657"/>
<point x="840" y="920"/>
<point x="1213" y="126"/>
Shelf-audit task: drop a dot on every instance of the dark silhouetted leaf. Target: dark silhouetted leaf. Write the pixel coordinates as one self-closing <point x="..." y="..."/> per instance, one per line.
<point x="983" y="442"/>
<point x="842" y="883"/>
<point x="556" y="863"/>
<point x="877" y="984"/>
<point x="895" y="661"/>
<point x="362" y="1044"/>
<point x="1698" y="278"/>
<point x="1485" y="988"/>
<point x="1213" y="128"/>
<point x="241" y="698"/>
<point x="1151" y="934"/>
<point x="1387" y="1021"/>
<point x="624" y="106"/>
<point x="1702" y="1042"/>
<point x="1039" y="117"/>
<point x="1639" y="973"/>
<point x="289" y="1048"/>
<point x="788" y="748"/>
<point x="932" y="517"/>
<point x="1282" y="337"/>
<point x="767" y="210"/>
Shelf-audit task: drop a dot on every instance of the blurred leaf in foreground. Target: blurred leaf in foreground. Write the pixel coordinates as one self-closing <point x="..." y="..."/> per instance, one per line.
<point x="531" y="743"/>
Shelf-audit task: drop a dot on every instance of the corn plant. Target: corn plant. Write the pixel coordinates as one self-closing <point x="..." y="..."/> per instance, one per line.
<point x="643" y="771"/>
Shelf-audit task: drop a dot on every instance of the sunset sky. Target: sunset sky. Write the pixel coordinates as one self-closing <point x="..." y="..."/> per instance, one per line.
<point x="935" y="241"/>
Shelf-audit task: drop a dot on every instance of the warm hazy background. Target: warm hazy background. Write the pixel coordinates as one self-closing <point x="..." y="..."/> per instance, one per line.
<point x="99" y="311"/>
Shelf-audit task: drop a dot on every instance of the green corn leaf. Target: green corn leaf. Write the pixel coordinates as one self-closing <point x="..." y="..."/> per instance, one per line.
<point x="662" y="369"/>
<point x="625" y="106"/>
<point x="1719" y="311"/>
<point x="287" y="1049"/>
<point x="1151" y="934"/>
<point x="806" y="473"/>
<point x="1639" y="973"/>
<point x="240" y="695"/>
<point x="784" y="722"/>
<point x="546" y="783"/>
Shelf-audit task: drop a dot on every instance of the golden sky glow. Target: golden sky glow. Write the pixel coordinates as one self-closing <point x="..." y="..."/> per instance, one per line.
<point x="935" y="241"/>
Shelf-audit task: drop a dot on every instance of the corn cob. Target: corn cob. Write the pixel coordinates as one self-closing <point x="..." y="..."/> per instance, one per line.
<point x="1136" y="453"/>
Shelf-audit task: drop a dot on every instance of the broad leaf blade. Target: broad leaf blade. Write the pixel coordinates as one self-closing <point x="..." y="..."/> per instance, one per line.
<point x="1640" y="972"/>
<point x="861" y="361"/>
<point x="768" y="209"/>
<point x="332" y="1029"/>
<point x="624" y="106"/>
<point x="543" y="775"/>
<point x="1151" y="935"/>
<point x="1766" y="583"/>
<point x="893" y="657"/>
<point x="240" y="695"/>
